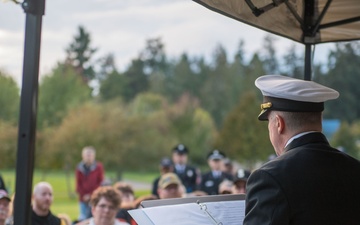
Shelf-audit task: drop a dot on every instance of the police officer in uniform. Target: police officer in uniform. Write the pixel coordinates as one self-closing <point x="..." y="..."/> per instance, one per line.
<point x="189" y="175"/>
<point x="210" y="181"/>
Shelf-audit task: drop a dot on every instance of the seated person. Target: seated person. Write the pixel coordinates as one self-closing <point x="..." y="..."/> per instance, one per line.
<point x="166" y="166"/>
<point x="170" y="186"/>
<point x="127" y="202"/>
<point x="240" y="180"/>
<point x="104" y="201"/>
<point x="225" y="187"/>
<point x="4" y="206"/>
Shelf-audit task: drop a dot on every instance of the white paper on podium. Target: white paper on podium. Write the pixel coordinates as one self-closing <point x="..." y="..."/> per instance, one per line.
<point x="225" y="213"/>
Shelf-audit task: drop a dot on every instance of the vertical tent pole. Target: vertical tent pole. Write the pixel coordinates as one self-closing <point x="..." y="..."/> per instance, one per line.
<point x="307" y="68"/>
<point x="34" y="10"/>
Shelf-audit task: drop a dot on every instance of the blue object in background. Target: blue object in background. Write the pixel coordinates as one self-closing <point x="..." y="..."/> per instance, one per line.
<point x="330" y="127"/>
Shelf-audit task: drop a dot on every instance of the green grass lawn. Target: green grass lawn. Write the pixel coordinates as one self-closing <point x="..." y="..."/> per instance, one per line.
<point x="65" y="198"/>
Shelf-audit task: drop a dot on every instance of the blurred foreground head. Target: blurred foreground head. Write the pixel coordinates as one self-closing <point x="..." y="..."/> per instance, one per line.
<point x="170" y="186"/>
<point x="105" y="201"/>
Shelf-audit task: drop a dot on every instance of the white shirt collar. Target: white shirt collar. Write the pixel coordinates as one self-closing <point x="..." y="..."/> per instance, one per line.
<point x="297" y="136"/>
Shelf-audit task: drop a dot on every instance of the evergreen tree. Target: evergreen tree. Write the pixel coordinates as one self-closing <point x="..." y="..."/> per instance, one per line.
<point x="80" y="53"/>
<point x="154" y="56"/>
<point x="183" y="80"/>
<point x="238" y="83"/>
<point x="106" y="66"/>
<point x="243" y="137"/>
<point x="9" y="99"/>
<point x="136" y="81"/>
<point x="293" y="64"/>
<point x="59" y="92"/>
<point x="271" y="64"/>
<point x="113" y="86"/>
<point x="343" y="76"/>
<point x="215" y="93"/>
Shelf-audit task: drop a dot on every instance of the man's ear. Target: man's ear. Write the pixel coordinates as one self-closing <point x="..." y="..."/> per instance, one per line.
<point x="280" y="124"/>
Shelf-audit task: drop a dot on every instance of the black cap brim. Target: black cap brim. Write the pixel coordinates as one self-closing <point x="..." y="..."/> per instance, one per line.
<point x="286" y="105"/>
<point x="263" y="116"/>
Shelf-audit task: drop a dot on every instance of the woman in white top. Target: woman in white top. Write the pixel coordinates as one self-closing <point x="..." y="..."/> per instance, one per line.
<point x="104" y="206"/>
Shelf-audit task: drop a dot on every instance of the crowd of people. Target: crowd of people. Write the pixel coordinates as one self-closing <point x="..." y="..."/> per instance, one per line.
<point x="193" y="181"/>
<point x="103" y="203"/>
<point x="308" y="182"/>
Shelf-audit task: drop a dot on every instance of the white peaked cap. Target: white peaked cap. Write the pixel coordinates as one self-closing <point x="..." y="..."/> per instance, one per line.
<point x="294" y="95"/>
<point x="294" y="89"/>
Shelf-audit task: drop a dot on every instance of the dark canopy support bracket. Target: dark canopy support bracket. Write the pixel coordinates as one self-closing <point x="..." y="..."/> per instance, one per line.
<point x="34" y="10"/>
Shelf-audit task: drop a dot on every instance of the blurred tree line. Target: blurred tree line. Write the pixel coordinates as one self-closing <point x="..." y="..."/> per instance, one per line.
<point x="134" y="117"/>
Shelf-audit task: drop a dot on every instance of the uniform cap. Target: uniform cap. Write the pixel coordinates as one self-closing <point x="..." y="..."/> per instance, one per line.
<point x="288" y="94"/>
<point x="241" y="174"/>
<point x="215" y="154"/>
<point x="181" y="149"/>
<point x="4" y="195"/>
<point x="167" y="179"/>
<point x="166" y="162"/>
<point x="227" y="162"/>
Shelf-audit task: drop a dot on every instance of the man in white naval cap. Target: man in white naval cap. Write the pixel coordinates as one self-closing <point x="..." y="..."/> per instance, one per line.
<point x="309" y="182"/>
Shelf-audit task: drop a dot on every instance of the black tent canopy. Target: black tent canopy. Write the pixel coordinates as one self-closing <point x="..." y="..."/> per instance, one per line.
<point x="308" y="22"/>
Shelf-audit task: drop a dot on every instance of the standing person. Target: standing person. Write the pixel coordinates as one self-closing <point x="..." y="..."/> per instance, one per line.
<point x="42" y="199"/>
<point x="227" y="166"/>
<point x="166" y="166"/>
<point x="309" y="182"/>
<point x="89" y="176"/>
<point x="211" y="180"/>
<point x="4" y="206"/>
<point x="189" y="175"/>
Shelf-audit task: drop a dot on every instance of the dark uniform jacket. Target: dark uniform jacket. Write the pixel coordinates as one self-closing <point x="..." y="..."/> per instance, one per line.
<point x="155" y="185"/>
<point x="2" y="184"/>
<point x="50" y="219"/>
<point x="310" y="184"/>
<point x="210" y="184"/>
<point x="188" y="178"/>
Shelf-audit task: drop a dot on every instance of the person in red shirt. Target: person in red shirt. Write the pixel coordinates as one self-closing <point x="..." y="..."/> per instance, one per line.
<point x="89" y="176"/>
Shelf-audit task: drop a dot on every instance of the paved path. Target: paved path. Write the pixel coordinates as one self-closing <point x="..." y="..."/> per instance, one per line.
<point x="137" y="185"/>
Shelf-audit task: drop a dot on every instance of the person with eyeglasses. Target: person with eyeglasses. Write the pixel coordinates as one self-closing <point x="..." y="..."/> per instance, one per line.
<point x="104" y="201"/>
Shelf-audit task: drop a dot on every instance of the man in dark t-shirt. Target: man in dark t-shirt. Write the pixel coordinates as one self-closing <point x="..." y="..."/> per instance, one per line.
<point x="42" y="199"/>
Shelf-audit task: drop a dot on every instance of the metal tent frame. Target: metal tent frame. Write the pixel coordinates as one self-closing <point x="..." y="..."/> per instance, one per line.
<point x="34" y="10"/>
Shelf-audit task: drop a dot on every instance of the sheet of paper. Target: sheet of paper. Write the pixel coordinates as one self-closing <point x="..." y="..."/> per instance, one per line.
<point x="229" y="212"/>
<point x="225" y="213"/>
<point x="140" y="217"/>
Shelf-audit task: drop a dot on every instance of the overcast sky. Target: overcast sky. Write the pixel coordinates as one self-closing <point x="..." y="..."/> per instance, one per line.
<point x="121" y="27"/>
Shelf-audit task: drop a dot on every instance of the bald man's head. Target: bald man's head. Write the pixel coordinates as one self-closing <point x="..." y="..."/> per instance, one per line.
<point x="42" y="198"/>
